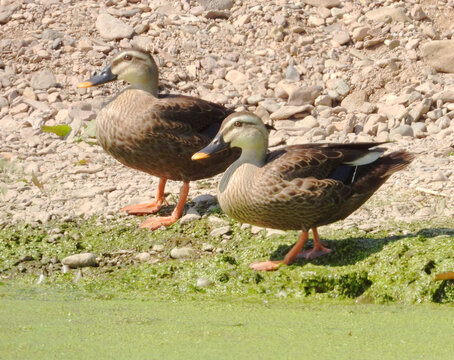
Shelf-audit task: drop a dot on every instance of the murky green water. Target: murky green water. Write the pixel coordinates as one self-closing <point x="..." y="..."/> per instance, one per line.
<point x="287" y="329"/>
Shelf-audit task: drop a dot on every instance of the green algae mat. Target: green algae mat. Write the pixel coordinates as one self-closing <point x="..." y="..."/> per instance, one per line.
<point x="396" y="265"/>
<point x="127" y="329"/>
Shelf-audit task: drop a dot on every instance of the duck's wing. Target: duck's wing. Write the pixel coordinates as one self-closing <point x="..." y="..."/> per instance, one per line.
<point x="321" y="161"/>
<point x="320" y="184"/>
<point x="318" y="170"/>
<point x="189" y="114"/>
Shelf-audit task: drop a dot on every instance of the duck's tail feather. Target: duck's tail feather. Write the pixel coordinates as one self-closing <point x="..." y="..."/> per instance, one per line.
<point x="372" y="176"/>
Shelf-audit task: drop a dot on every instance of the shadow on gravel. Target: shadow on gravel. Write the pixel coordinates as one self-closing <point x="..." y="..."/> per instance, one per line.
<point x="349" y="251"/>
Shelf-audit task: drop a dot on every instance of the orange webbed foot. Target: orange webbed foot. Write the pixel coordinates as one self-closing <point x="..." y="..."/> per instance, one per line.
<point x="143" y="209"/>
<point x="266" y="265"/>
<point x="314" y="252"/>
<point x="157" y="222"/>
<point x="318" y="250"/>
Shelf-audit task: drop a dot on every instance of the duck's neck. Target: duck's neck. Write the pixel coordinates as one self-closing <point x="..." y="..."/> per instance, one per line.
<point x="147" y="82"/>
<point x="252" y="156"/>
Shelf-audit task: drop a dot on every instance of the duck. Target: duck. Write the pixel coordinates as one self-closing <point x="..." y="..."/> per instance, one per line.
<point x="157" y="133"/>
<point x="296" y="187"/>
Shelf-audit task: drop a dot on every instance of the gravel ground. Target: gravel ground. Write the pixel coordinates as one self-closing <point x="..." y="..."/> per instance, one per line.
<point x="318" y="70"/>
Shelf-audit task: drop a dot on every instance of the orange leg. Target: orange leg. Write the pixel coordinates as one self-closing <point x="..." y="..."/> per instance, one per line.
<point x="317" y="250"/>
<point x="274" y="265"/>
<point x="155" y="223"/>
<point x="149" y="208"/>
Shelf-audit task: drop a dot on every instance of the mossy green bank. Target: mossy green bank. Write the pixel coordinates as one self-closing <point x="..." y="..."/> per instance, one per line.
<point x="396" y="265"/>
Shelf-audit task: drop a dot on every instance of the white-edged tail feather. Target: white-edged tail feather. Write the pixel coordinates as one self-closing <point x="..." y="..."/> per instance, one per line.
<point x="366" y="159"/>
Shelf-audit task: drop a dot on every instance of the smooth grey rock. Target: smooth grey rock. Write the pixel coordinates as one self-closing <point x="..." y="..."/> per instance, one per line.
<point x="217" y="221"/>
<point x="207" y="247"/>
<point x="384" y="13"/>
<point x="270" y="105"/>
<point x="371" y="125"/>
<point x="204" y="199"/>
<point x="323" y="3"/>
<point x="435" y="114"/>
<point x="342" y="37"/>
<point x="204" y="282"/>
<point x="143" y="256"/>
<point x="111" y="28"/>
<point x="355" y="100"/>
<point x="216" y="4"/>
<point x="254" y="99"/>
<point x="80" y="260"/>
<point x="182" y="253"/>
<point x="158" y="248"/>
<point x="420" y="109"/>
<point x="392" y="111"/>
<point x="40" y="106"/>
<point x="216" y="97"/>
<point x="403" y="130"/>
<point x="209" y="63"/>
<point x="433" y="129"/>
<point x="360" y="33"/>
<point x="143" y="42"/>
<point x="417" y="13"/>
<point x="418" y="128"/>
<point x="323" y="100"/>
<point x="439" y="54"/>
<point x="5" y="15"/>
<point x="43" y="80"/>
<point x="50" y="34"/>
<point x="275" y="232"/>
<point x="443" y="122"/>
<point x="304" y="95"/>
<point x="280" y="20"/>
<point x="447" y="96"/>
<point x="3" y="102"/>
<point x="292" y="74"/>
<point x="190" y="216"/>
<point x="221" y="231"/>
<point x="256" y="229"/>
<point x="339" y="86"/>
<point x="236" y="77"/>
<point x="286" y="112"/>
<point x="308" y="122"/>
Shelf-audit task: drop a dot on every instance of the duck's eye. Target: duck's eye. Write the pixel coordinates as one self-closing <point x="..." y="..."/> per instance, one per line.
<point x="127" y="57"/>
<point x="237" y="123"/>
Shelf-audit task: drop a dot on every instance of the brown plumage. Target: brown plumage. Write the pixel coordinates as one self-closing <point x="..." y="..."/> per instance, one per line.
<point x="155" y="133"/>
<point x="299" y="187"/>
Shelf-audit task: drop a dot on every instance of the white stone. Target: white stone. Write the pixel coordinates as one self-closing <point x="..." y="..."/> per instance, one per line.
<point x="111" y="28"/>
<point x="80" y="260"/>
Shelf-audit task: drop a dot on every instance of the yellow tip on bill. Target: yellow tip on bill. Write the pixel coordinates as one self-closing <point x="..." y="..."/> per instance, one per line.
<point x="200" y="156"/>
<point x="85" y="84"/>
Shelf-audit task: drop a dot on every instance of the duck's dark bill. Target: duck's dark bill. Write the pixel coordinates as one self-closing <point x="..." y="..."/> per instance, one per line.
<point x="218" y="144"/>
<point x="103" y="77"/>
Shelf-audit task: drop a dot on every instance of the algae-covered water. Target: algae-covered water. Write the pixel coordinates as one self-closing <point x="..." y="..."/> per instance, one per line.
<point x="374" y="297"/>
<point x="223" y="329"/>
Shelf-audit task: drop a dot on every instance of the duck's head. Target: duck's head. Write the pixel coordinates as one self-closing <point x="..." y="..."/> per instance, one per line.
<point x="243" y="130"/>
<point x="134" y="66"/>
